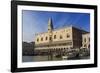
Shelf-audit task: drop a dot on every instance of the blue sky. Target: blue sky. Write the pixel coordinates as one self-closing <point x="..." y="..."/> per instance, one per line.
<point x="37" y="21"/>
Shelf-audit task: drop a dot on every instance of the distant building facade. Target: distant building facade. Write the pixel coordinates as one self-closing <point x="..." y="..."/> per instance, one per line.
<point x="86" y="40"/>
<point x="61" y="38"/>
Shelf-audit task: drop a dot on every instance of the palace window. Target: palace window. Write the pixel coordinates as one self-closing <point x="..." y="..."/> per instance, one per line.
<point x="37" y="39"/>
<point x="50" y="38"/>
<point x="85" y="45"/>
<point x="89" y="46"/>
<point x="84" y="39"/>
<point x="46" y="38"/>
<point x="68" y="35"/>
<point x="54" y="36"/>
<point x="89" y="39"/>
<point x="60" y="37"/>
<point x="41" y="39"/>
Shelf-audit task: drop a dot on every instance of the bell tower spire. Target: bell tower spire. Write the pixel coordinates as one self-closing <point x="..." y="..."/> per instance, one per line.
<point x="50" y="25"/>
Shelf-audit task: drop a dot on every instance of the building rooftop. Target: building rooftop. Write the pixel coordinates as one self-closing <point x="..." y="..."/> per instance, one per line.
<point x="50" y="27"/>
<point x="64" y="27"/>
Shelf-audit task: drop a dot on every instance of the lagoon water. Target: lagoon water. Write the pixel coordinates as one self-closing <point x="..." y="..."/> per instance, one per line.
<point x="45" y="58"/>
<point x="39" y="58"/>
<point x="34" y="58"/>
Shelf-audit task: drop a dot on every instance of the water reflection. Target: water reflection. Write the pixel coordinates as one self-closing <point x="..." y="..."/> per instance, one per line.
<point x="47" y="58"/>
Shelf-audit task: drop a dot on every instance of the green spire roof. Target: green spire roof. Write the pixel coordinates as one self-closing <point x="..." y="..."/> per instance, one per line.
<point x="50" y="24"/>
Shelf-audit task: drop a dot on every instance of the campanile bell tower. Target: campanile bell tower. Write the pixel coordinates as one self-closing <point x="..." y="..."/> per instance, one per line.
<point x="50" y="25"/>
<point x="50" y="29"/>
